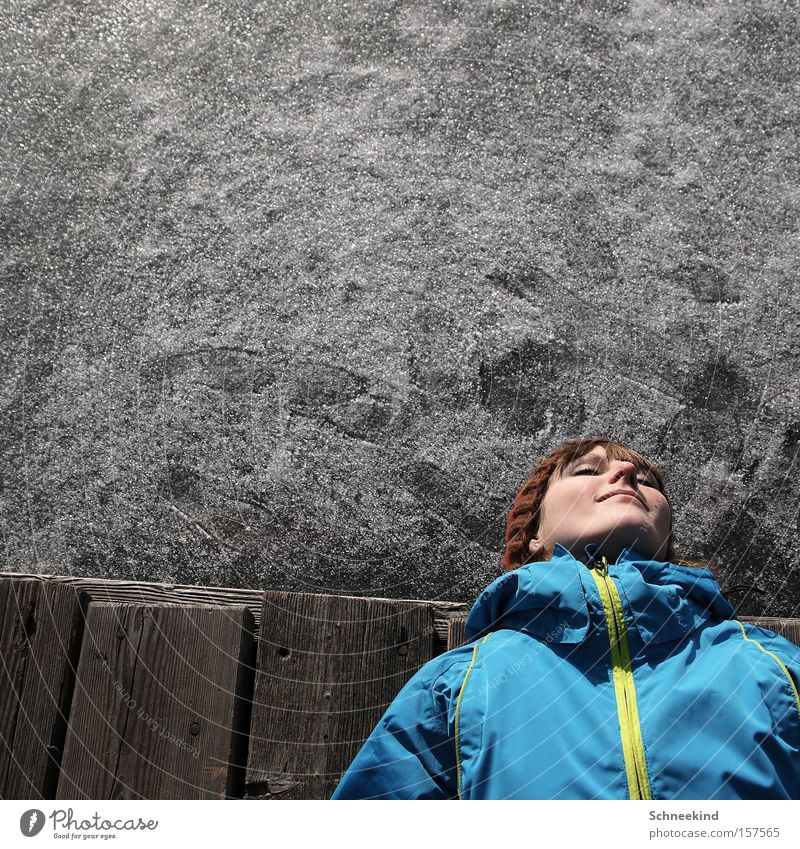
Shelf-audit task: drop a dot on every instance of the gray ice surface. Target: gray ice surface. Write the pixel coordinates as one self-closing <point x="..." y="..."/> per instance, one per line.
<point x="294" y="293"/>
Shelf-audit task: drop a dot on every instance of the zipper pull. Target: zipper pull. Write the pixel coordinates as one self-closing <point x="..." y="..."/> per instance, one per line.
<point x="601" y="566"/>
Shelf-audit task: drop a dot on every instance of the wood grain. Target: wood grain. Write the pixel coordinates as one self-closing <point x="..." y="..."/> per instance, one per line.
<point x="456" y="635"/>
<point x="40" y="631"/>
<point x="328" y="667"/>
<point x="162" y="705"/>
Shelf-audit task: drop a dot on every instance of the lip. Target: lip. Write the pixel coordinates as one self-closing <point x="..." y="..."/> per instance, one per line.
<point x="629" y="492"/>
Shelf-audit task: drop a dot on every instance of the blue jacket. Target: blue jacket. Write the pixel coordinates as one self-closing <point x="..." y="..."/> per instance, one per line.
<point x="629" y="680"/>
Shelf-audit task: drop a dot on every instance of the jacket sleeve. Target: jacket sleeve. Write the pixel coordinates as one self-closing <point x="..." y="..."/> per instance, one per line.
<point x="409" y="755"/>
<point x="783" y="650"/>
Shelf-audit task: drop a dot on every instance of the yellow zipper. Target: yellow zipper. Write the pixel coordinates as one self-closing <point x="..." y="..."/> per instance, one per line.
<point x="459" y="777"/>
<point x="624" y="687"/>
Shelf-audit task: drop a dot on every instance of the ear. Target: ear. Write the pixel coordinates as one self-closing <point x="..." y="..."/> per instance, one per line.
<point x="534" y="545"/>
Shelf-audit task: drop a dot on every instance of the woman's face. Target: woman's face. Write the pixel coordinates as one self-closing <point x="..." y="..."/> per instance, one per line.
<point x="612" y="503"/>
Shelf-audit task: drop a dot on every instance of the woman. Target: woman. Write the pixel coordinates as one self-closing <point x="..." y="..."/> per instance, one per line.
<point x="597" y="667"/>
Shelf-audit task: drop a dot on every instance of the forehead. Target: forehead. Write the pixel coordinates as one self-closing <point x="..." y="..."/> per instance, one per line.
<point x="606" y="452"/>
<point x="597" y="451"/>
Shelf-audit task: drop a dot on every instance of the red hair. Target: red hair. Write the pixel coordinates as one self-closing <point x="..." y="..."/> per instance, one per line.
<point x="523" y="518"/>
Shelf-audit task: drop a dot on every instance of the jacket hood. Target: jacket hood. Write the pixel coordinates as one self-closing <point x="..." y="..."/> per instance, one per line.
<point x="558" y="600"/>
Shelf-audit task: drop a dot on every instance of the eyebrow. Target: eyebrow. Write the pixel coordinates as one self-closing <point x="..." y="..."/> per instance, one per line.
<point x="585" y="458"/>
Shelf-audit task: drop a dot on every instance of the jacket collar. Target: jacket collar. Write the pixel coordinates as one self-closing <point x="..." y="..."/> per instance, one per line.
<point x="558" y="600"/>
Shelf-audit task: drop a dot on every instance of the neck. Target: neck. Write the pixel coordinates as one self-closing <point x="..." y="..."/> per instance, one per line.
<point x="588" y="552"/>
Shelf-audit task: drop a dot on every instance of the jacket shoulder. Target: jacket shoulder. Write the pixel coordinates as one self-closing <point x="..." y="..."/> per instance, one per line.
<point x="786" y="650"/>
<point x="451" y="664"/>
<point x="783" y="653"/>
<point x="474" y="653"/>
<point x="442" y="663"/>
<point x="440" y="677"/>
<point x="462" y="671"/>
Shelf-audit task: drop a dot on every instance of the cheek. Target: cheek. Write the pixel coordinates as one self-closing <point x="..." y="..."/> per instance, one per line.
<point x="563" y="504"/>
<point x="664" y="517"/>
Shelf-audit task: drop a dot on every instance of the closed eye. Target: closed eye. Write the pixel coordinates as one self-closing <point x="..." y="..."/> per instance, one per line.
<point x="643" y="478"/>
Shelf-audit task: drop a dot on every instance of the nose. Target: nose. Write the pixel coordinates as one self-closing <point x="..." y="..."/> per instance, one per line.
<point x="624" y="470"/>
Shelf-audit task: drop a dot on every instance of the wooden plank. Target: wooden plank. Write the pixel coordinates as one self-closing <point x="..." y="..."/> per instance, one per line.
<point x="456" y="635"/>
<point x="161" y="708"/>
<point x="40" y="632"/>
<point x="143" y="593"/>
<point x="328" y="667"/>
<point x="134" y="592"/>
<point x="788" y="628"/>
<point x="17" y="603"/>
